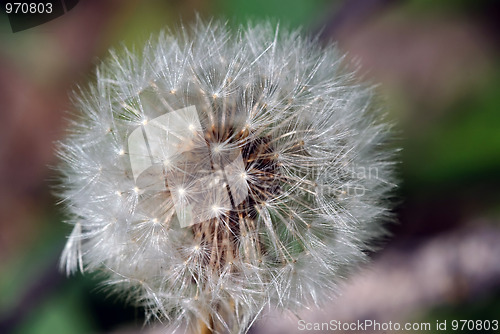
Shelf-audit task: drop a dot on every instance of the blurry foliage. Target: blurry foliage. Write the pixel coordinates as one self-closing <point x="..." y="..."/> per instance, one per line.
<point x="449" y="5"/>
<point x="462" y="146"/>
<point x="481" y="308"/>
<point x="62" y="312"/>
<point x="292" y="13"/>
<point x="145" y="20"/>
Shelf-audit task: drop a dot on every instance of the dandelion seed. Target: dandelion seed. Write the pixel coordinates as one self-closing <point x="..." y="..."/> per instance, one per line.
<point x="242" y="145"/>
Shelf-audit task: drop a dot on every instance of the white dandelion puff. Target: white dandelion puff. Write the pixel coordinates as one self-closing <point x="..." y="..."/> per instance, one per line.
<point x="218" y="173"/>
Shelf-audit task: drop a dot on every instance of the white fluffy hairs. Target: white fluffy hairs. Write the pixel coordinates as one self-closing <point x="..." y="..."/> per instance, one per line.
<point x="315" y="171"/>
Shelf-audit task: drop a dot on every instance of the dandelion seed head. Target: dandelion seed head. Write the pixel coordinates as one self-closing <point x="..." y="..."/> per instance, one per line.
<point x="233" y="187"/>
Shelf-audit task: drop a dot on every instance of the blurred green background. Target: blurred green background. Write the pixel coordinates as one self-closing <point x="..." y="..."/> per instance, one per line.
<point x="438" y="66"/>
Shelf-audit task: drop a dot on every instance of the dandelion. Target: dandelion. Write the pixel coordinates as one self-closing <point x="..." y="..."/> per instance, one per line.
<point x="211" y="176"/>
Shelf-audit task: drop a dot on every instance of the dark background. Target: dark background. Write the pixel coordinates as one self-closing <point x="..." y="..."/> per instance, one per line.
<point x="438" y="66"/>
